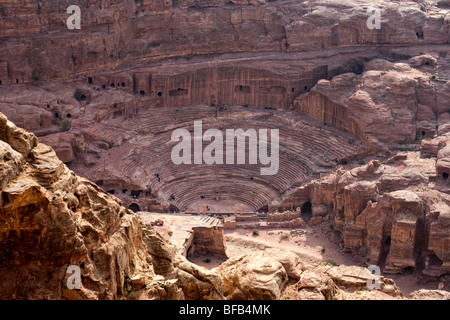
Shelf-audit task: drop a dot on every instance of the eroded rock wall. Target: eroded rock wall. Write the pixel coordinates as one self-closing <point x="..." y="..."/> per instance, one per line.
<point x="51" y="219"/>
<point x="41" y="47"/>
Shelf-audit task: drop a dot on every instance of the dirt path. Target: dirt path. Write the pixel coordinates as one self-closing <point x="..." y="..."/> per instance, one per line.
<point x="312" y="245"/>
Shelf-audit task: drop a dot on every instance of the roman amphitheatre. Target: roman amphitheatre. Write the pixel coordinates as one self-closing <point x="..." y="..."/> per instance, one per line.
<point x="88" y="178"/>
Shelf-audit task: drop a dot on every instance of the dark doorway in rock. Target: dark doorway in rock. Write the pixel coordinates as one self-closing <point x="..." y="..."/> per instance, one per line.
<point x="159" y="94"/>
<point x="90" y="80"/>
<point x="384" y="252"/>
<point x="432" y="261"/>
<point x="306" y="211"/>
<point x="135" y="193"/>
<point x="423" y="133"/>
<point x="242" y="89"/>
<point x="419" y="34"/>
<point x="134" y="207"/>
<point x="408" y="270"/>
<point x="264" y="209"/>
<point x="445" y="176"/>
<point x="142" y="93"/>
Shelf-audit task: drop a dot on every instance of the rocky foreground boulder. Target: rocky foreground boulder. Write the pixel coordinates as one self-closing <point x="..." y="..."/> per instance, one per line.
<point x="51" y="219"/>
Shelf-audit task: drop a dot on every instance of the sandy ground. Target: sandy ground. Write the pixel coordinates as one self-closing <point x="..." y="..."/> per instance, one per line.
<point x="313" y="245"/>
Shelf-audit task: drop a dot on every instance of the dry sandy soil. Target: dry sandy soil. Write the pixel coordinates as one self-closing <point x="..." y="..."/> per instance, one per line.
<point x="313" y="245"/>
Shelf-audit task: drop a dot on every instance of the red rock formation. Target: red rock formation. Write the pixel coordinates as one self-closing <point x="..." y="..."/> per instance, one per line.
<point x="51" y="218"/>
<point x="146" y="30"/>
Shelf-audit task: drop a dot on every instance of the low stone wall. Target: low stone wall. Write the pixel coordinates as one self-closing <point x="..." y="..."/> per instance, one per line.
<point x="295" y="223"/>
<point x="228" y="224"/>
<point x="246" y="218"/>
<point x="285" y="216"/>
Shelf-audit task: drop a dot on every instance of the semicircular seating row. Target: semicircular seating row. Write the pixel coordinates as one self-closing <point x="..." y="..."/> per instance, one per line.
<point x="306" y="149"/>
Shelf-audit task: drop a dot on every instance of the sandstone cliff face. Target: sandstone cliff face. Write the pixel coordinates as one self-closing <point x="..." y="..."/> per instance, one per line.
<point x="125" y="32"/>
<point x="51" y="218"/>
<point x="393" y="213"/>
<point x="383" y="97"/>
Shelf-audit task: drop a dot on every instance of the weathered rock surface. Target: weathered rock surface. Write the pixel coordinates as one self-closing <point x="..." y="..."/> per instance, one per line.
<point x="130" y="32"/>
<point x="52" y="218"/>
<point x="387" y="104"/>
<point x="262" y="54"/>
<point x="315" y="285"/>
<point x="354" y="278"/>
<point x="258" y="277"/>
<point x="395" y="213"/>
<point x="424" y="294"/>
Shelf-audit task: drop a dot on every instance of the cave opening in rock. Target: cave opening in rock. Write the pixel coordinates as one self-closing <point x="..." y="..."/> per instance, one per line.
<point x="306" y="211"/>
<point x="142" y="93"/>
<point x="384" y="252"/>
<point x="445" y="176"/>
<point x="408" y="270"/>
<point x="134" y="207"/>
<point x="432" y="261"/>
<point x="123" y="84"/>
<point x="90" y="80"/>
<point x="135" y="193"/>
<point x="242" y="89"/>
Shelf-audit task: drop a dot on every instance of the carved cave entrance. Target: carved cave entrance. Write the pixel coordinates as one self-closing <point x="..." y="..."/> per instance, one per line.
<point x="306" y="211"/>
<point x="134" y="207"/>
